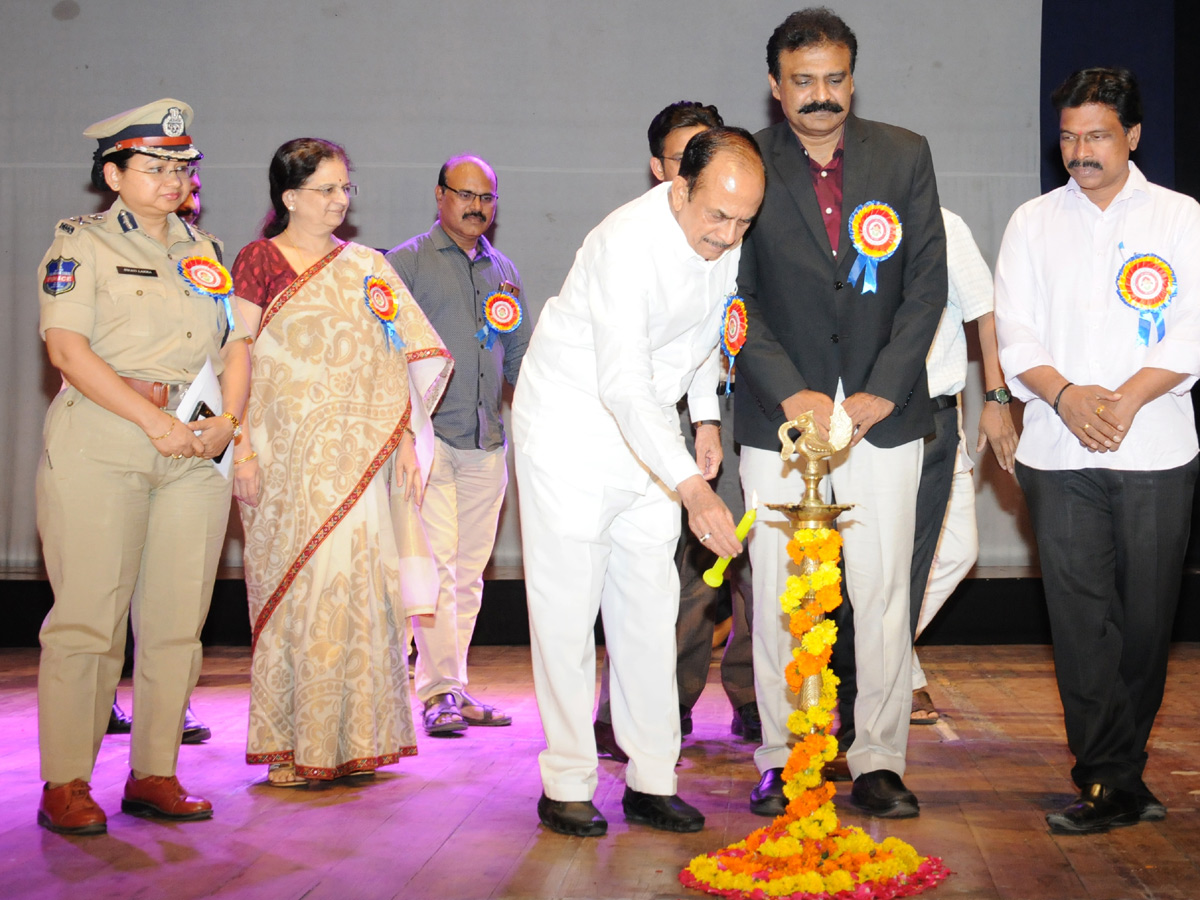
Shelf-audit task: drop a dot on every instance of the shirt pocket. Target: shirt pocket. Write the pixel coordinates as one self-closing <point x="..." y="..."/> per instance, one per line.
<point x="130" y="304"/>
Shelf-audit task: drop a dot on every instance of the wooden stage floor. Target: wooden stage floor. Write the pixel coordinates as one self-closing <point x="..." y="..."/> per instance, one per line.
<point x="459" y="819"/>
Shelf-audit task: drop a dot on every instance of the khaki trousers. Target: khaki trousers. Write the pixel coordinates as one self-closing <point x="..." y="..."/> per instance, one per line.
<point x="460" y="511"/>
<point x="125" y="532"/>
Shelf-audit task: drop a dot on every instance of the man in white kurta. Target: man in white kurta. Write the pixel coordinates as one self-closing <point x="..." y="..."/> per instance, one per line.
<point x="602" y="468"/>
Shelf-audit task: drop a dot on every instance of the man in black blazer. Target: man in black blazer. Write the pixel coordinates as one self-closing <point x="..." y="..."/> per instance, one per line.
<point x="844" y="278"/>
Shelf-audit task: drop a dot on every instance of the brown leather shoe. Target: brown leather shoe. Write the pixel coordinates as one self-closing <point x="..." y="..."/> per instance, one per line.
<point x="163" y="796"/>
<point x="70" y="809"/>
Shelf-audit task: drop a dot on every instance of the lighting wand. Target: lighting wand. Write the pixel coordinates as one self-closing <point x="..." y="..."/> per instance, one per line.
<point x="715" y="575"/>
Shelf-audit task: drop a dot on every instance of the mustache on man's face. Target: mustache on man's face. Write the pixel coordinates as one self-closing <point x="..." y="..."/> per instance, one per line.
<point x="1085" y="164"/>
<point x="829" y="106"/>
<point x="474" y="215"/>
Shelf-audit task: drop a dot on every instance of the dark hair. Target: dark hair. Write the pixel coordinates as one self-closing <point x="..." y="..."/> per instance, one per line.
<point x="120" y="159"/>
<point x="810" y="28"/>
<point x="703" y="148"/>
<point x="1115" y="88"/>
<point x="291" y="166"/>
<point x="684" y="114"/>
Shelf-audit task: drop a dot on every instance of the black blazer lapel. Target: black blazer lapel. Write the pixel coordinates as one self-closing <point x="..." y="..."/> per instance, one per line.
<point x="856" y="176"/>
<point x="791" y="165"/>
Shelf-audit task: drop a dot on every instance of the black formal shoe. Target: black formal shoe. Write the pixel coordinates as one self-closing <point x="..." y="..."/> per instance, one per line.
<point x="882" y="794"/>
<point x="577" y="818"/>
<point x="606" y="742"/>
<point x="119" y="722"/>
<point x="746" y="723"/>
<point x="194" y="731"/>
<point x="1098" y="809"/>
<point x="1150" y="808"/>
<point x="767" y="798"/>
<point x="660" y="811"/>
<point x="685" y="721"/>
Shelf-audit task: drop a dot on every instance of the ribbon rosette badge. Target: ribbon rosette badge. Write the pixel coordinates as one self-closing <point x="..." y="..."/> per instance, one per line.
<point x="1147" y="283"/>
<point x="211" y="279"/>
<point x="381" y="300"/>
<point x="501" y="314"/>
<point x="733" y="333"/>
<point x="875" y="230"/>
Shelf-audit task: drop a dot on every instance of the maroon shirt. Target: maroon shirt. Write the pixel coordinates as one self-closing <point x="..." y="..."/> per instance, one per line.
<point x="827" y="182"/>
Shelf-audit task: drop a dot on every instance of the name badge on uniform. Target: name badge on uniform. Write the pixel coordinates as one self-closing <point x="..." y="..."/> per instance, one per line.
<point x="60" y="276"/>
<point x="875" y="230"/>
<point x="133" y="270"/>
<point x="1147" y="284"/>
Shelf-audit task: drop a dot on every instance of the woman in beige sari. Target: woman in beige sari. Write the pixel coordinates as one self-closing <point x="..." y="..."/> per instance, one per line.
<point x="346" y="369"/>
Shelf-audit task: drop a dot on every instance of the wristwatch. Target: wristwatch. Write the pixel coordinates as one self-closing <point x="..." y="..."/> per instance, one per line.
<point x="1000" y="395"/>
<point x="714" y="422"/>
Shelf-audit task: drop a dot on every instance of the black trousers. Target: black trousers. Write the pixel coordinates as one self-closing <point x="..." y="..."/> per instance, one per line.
<point x="933" y="497"/>
<point x="1112" y="546"/>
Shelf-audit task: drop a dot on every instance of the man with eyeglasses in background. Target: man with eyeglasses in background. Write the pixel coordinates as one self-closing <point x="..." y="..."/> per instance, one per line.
<point x="471" y="293"/>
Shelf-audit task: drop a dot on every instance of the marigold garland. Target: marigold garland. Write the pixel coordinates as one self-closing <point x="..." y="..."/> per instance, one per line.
<point x="806" y="854"/>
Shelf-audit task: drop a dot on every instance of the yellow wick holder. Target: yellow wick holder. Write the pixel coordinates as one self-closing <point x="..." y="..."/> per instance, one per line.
<point x="715" y="575"/>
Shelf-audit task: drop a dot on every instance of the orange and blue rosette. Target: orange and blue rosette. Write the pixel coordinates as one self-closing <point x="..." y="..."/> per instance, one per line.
<point x="875" y="231"/>
<point x="381" y="301"/>
<point x="209" y="278"/>
<point x="1147" y="283"/>
<point x="502" y="313"/>
<point x="734" y="325"/>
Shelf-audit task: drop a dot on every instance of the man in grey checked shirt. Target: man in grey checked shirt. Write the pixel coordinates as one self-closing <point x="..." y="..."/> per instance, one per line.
<point x="452" y="271"/>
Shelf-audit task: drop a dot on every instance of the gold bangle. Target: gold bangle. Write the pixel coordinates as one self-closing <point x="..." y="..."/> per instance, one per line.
<point x="232" y="418"/>
<point x="174" y="422"/>
<point x="238" y="462"/>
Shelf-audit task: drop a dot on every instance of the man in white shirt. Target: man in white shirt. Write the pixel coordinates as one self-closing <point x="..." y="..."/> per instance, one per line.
<point x="1098" y="317"/>
<point x="602" y="469"/>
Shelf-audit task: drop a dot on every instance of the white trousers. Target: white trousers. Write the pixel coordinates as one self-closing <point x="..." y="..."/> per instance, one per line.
<point x="877" y="537"/>
<point x="460" y="512"/>
<point x="588" y="547"/>
<point x="957" y="549"/>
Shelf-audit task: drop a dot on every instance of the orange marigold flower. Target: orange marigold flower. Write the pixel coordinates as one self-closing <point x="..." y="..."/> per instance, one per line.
<point x="800" y="623"/>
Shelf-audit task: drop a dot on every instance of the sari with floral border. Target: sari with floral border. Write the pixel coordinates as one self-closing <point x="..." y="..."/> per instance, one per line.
<point x="334" y="560"/>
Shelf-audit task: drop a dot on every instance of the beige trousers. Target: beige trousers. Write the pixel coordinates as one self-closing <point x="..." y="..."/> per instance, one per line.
<point x="460" y="511"/>
<point x="125" y="532"/>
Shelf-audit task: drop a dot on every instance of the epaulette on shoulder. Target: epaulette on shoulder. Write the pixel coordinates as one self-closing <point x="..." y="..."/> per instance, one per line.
<point x="74" y="223"/>
<point x="201" y="233"/>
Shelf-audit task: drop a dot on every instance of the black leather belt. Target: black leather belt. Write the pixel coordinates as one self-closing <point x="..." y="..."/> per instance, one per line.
<point x="944" y="402"/>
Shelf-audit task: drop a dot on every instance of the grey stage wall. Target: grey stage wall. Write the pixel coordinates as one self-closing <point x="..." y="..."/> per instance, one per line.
<point x="557" y="95"/>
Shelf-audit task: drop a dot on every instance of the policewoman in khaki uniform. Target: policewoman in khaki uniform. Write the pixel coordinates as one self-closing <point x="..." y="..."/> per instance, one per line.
<point x="131" y="511"/>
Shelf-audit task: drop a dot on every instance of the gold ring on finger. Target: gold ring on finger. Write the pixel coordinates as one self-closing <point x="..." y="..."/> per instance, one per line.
<point x="1099" y="410"/>
<point x="1087" y="425"/>
<point x="177" y="456"/>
